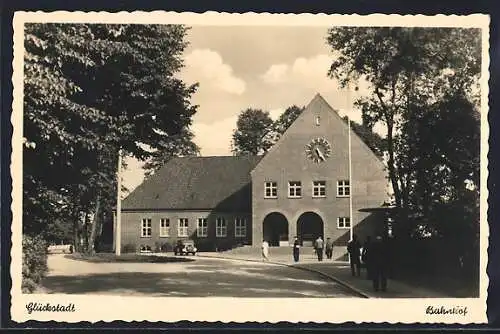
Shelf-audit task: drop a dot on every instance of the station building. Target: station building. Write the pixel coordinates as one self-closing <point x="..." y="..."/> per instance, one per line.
<point x="301" y="187"/>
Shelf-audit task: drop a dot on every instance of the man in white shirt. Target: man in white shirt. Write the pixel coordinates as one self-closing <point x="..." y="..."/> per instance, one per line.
<point x="265" y="251"/>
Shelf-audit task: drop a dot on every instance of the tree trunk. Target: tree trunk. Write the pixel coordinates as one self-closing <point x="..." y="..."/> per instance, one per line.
<point x="93" y="233"/>
<point x="390" y="164"/>
<point x="76" y="235"/>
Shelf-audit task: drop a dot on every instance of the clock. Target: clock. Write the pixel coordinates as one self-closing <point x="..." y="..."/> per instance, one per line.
<point x="318" y="150"/>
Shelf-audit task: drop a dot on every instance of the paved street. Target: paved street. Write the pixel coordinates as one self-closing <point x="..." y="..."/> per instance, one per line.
<point x="202" y="277"/>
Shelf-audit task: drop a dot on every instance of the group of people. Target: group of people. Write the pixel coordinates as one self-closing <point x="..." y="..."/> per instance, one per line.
<point x="374" y="255"/>
<point x="319" y="245"/>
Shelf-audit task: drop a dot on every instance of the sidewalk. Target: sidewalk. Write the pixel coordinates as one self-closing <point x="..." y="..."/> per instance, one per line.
<point x="339" y="272"/>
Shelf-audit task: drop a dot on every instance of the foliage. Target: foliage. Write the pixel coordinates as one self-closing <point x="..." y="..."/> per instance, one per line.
<point x="90" y="89"/>
<point x="34" y="265"/>
<point x="273" y="132"/>
<point x="373" y="140"/>
<point x="282" y="124"/>
<point x="249" y="137"/>
<point x="424" y="88"/>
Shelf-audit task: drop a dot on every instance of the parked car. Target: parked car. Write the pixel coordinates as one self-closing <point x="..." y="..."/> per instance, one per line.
<point x="185" y="247"/>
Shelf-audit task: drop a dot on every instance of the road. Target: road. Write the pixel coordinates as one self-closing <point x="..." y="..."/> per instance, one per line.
<point x="202" y="277"/>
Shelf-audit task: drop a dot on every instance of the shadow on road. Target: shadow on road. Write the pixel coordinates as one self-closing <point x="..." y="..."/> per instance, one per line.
<point x="202" y="280"/>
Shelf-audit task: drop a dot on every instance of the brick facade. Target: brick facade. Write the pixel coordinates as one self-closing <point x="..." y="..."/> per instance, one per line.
<point x="288" y="161"/>
<point x="233" y="187"/>
<point x="132" y="228"/>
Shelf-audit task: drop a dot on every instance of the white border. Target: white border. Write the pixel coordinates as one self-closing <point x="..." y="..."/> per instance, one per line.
<point x="108" y="308"/>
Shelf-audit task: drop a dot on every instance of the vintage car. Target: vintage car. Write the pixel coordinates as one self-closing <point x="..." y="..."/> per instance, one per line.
<point x="185" y="247"/>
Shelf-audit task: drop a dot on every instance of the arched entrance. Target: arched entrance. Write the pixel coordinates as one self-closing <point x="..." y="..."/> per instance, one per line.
<point x="275" y="229"/>
<point x="309" y="228"/>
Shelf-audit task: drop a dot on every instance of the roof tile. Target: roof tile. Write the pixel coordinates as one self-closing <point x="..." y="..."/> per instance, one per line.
<point x="219" y="183"/>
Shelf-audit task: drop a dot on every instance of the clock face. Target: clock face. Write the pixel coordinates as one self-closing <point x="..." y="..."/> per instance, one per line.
<point x="318" y="150"/>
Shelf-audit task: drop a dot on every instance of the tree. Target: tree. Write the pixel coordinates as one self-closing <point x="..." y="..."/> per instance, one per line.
<point x="410" y="71"/>
<point x="249" y="136"/>
<point x="90" y="89"/>
<point x="180" y="145"/>
<point x="282" y="124"/>
<point x="373" y="140"/>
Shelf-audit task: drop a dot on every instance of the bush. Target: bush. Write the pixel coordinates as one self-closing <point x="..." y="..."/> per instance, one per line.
<point x="34" y="262"/>
<point x="205" y="245"/>
<point x="166" y="247"/>
<point x="129" y="248"/>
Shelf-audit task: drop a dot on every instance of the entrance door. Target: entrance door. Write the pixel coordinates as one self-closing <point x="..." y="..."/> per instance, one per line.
<point x="309" y="228"/>
<point x="275" y="229"/>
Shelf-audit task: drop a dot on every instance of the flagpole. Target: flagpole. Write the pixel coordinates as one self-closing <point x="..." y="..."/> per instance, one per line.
<point x="118" y="234"/>
<point x="351" y="217"/>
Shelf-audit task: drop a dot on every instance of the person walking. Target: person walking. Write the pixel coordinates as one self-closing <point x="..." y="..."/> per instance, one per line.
<point x="365" y="256"/>
<point x="265" y="251"/>
<point x="329" y="248"/>
<point x="353" y="248"/>
<point x="319" y="248"/>
<point x="378" y="264"/>
<point x="296" y="249"/>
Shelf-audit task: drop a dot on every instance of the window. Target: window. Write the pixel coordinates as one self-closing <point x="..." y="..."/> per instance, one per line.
<point x="343" y="222"/>
<point x="294" y="189"/>
<point x="146" y="228"/>
<point x="164" y="227"/>
<point x="145" y="249"/>
<point x="270" y="190"/>
<point x="182" y="231"/>
<point x="317" y="119"/>
<point x="220" y="227"/>
<point x="202" y="230"/>
<point x="319" y="188"/>
<point x="240" y="227"/>
<point x="343" y="188"/>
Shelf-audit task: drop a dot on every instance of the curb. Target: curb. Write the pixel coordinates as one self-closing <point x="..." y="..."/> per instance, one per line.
<point x="332" y="278"/>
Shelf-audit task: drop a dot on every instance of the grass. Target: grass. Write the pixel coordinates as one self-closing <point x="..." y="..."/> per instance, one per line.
<point x="127" y="258"/>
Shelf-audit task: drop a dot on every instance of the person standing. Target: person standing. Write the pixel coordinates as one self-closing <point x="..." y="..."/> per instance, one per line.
<point x="354" y="255"/>
<point x="319" y="248"/>
<point x="296" y="249"/>
<point x="265" y="251"/>
<point x="378" y="264"/>
<point x="329" y="248"/>
<point x="365" y="256"/>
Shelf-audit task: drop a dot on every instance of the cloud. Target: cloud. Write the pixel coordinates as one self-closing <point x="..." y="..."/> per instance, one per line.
<point x="311" y="72"/>
<point x="276" y="113"/>
<point x="276" y="74"/>
<point x="214" y="139"/>
<point x="133" y="175"/>
<point x="208" y="68"/>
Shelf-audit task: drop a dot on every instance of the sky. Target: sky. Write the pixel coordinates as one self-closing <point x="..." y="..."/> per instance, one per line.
<point x="240" y="67"/>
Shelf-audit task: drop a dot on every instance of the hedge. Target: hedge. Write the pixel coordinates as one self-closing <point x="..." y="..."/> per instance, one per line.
<point x="34" y="262"/>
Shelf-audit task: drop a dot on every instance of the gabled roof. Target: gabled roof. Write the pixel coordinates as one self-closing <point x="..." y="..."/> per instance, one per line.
<point x="219" y="183"/>
<point x="319" y="101"/>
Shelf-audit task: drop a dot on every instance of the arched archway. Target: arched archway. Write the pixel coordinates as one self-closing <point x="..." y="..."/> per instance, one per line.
<point x="275" y="228"/>
<point x="309" y="228"/>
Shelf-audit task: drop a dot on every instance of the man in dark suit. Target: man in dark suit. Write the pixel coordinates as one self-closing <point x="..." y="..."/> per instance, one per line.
<point x="296" y="249"/>
<point x="354" y="255"/>
<point x="378" y="263"/>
